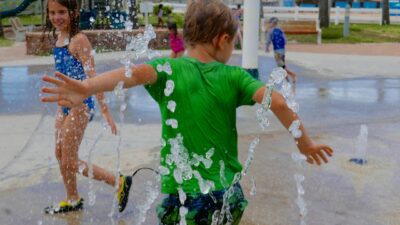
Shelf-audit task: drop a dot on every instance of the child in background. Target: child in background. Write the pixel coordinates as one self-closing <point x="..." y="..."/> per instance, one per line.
<point x="238" y="12"/>
<point x="160" y="15"/>
<point x="206" y="93"/>
<point x="276" y="36"/>
<point x="72" y="54"/>
<point x="175" y="41"/>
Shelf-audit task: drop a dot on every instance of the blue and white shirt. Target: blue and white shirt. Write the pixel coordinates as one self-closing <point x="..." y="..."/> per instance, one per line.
<point x="278" y="40"/>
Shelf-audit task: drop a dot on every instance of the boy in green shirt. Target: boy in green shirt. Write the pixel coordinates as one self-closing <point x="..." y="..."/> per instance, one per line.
<point x="198" y="96"/>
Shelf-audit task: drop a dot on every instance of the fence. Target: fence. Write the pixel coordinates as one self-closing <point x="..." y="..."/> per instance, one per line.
<point x="357" y="15"/>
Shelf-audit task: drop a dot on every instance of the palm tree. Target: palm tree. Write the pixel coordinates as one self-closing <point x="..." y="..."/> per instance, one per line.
<point x="1" y="28"/>
<point x="385" y="12"/>
<point x="324" y="13"/>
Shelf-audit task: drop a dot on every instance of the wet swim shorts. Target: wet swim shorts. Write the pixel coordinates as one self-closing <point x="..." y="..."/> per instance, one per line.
<point x="201" y="207"/>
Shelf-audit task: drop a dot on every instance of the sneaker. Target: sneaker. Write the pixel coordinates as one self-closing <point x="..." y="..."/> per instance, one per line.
<point x="123" y="193"/>
<point x="64" y="207"/>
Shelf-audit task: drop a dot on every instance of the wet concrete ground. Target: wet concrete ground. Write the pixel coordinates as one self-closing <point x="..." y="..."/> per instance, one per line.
<point x="332" y="110"/>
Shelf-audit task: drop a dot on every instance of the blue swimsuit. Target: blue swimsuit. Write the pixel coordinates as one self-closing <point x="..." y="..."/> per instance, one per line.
<point x="68" y="65"/>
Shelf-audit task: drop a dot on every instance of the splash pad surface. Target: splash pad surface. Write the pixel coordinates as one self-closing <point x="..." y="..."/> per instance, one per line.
<point x="331" y="109"/>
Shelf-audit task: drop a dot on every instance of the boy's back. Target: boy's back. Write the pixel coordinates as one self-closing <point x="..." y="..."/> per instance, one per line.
<point x="206" y="97"/>
<point x="277" y="37"/>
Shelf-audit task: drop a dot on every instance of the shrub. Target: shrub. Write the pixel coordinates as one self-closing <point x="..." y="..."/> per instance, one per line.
<point x="166" y="9"/>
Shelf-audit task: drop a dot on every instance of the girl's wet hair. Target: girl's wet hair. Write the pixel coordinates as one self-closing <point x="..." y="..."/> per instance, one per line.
<point x="172" y="26"/>
<point x="73" y="12"/>
<point x="207" y="19"/>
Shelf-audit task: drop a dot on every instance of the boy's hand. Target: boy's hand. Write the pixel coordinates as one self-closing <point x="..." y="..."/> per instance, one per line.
<point x="68" y="92"/>
<point x="316" y="152"/>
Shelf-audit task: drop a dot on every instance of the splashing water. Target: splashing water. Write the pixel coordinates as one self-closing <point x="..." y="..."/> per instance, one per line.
<point x="120" y="94"/>
<point x="82" y="167"/>
<point x="163" y="170"/>
<point x="278" y="78"/>
<point x="153" y="54"/>
<point x="262" y="111"/>
<point x="119" y="91"/>
<point x="182" y="196"/>
<point x="253" y="190"/>
<point x="299" y="159"/>
<point x="299" y="179"/>
<point x="164" y="68"/>
<point x="140" y="43"/>
<point x="224" y="182"/>
<point x="151" y="193"/>
<point x="182" y="213"/>
<point x="171" y="105"/>
<point x="361" y="146"/>
<point x="172" y="122"/>
<point x="250" y="157"/>
<point x="295" y="129"/>
<point x="169" y="88"/>
<point x="137" y="46"/>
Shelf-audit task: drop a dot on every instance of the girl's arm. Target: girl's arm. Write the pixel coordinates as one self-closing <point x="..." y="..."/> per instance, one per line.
<point x="82" y="49"/>
<point x="69" y="92"/>
<point x="313" y="152"/>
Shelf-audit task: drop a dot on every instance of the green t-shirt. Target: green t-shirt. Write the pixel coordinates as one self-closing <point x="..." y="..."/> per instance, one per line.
<point x="206" y="97"/>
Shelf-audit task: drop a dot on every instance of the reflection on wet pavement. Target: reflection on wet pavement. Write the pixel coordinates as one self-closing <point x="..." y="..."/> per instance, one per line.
<point x="19" y="92"/>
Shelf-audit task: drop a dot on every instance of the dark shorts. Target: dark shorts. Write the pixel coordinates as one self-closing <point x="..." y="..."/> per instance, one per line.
<point x="280" y="60"/>
<point x="202" y="207"/>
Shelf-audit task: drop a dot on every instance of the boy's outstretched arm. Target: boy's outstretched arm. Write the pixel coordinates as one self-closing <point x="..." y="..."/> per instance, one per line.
<point x="314" y="152"/>
<point x="70" y="92"/>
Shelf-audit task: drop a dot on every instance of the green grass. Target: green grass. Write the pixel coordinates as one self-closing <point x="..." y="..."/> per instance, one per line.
<point x="359" y="33"/>
<point x="5" y="42"/>
<point x="25" y="20"/>
<point x="176" y="17"/>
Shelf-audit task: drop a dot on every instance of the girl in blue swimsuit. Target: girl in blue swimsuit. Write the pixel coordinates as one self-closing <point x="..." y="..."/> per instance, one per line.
<point x="73" y="57"/>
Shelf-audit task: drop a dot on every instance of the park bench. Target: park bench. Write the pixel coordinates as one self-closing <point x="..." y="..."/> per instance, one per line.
<point x="18" y="29"/>
<point x="300" y="27"/>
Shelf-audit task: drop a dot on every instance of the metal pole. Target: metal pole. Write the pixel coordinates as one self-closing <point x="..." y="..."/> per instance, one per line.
<point x="337" y="15"/>
<point x="250" y="36"/>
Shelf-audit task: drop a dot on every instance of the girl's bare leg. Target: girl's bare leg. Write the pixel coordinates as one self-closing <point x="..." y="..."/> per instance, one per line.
<point x="179" y="54"/>
<point x="70" y="137"/>
<point x="173" y="55"/>
<point x="239" y="36"/>
<point x="99" y="173"/>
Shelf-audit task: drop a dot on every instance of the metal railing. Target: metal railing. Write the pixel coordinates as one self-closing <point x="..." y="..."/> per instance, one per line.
<point x="357" y="15"/>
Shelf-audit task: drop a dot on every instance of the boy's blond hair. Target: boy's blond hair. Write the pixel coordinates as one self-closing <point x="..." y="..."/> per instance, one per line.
<point x="207" y="19"/>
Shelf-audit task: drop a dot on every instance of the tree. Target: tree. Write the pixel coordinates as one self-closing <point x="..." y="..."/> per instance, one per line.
<point x="1" y="28"/>
<point x="324" y="13"/>
<point x="385" y="12"/>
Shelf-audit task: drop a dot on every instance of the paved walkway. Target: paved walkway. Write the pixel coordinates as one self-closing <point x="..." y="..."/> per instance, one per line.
<point x="338" y="193"/>
<point x="380" y="49"/>
<point x="333" y="61"/>
<point x="18" y="51"/>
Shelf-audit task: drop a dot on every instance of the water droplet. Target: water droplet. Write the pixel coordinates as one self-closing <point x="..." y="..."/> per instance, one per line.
<point x="171" y="105"/>
<point x="172" y="122"/>
<point x="169" y="88"/>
